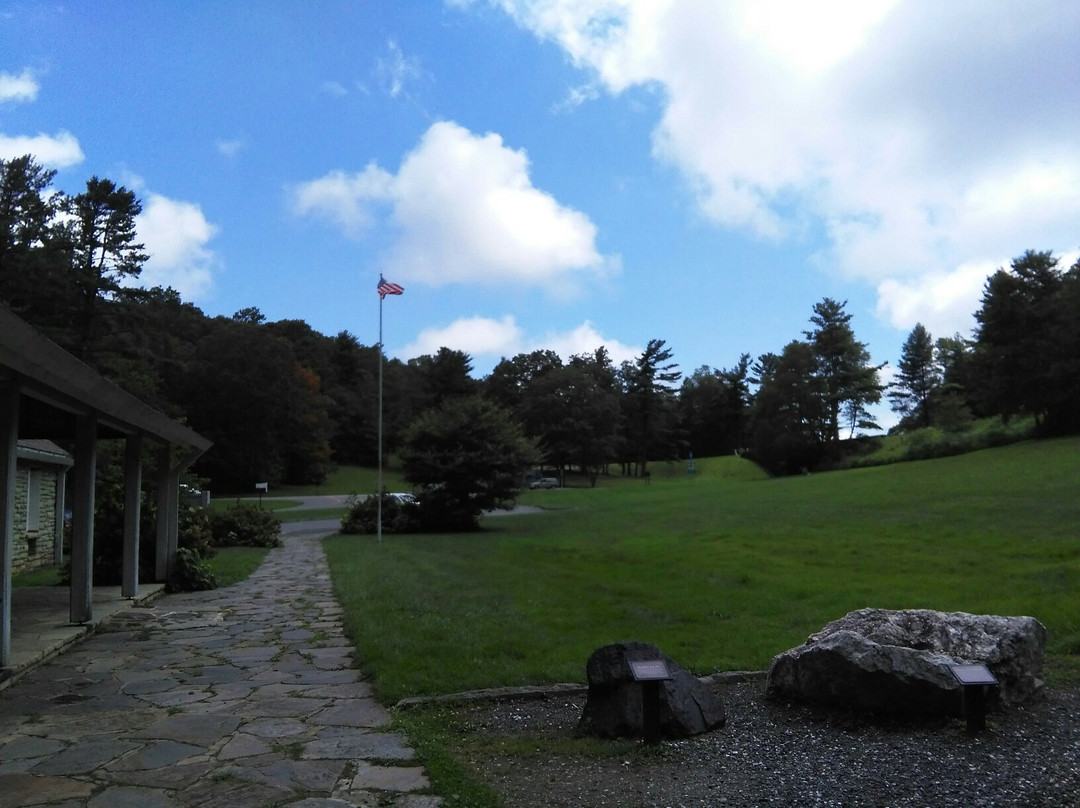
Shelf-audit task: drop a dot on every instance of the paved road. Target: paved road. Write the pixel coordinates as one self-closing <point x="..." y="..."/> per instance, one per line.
<point x="243" y="697"/>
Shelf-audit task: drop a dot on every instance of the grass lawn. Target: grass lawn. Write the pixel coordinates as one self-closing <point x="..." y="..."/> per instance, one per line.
<point x="722" y="569"/>
<point x="267" y="504"/>
<point x="342" y="480"/>
<point x="234" y="564"/>
<point x="42" y="576"/>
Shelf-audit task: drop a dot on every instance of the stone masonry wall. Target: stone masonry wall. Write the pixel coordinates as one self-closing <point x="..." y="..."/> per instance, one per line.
<point x="34" y="548"/>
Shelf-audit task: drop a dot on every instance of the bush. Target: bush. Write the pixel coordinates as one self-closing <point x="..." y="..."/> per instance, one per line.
<point x="397" y="516"/>
<point x="189" y="572"/>
<point x="245" y="526"/>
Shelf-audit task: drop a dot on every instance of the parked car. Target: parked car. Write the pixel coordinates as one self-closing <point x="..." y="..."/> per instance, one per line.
<point x="404" y="498"/>
<point x="544" y="482"/>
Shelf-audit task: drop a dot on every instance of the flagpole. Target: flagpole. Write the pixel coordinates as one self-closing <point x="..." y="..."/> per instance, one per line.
<point x="379" y="489"/>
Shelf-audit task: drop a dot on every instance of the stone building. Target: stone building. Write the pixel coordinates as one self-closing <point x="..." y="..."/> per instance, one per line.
<point x="40" y="483"/>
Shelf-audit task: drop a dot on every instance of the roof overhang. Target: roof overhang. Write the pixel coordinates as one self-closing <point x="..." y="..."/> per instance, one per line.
<point x="47" y="373"/>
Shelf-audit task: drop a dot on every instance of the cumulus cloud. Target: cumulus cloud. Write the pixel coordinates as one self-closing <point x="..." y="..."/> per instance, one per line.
<point x="464" y="210"/>
<point x="176" y="235"/>
<point x="918" y="136"/>
<point x="23" y="87"/>
<point x="344" y="199"/>
<point x="476" y="336"/>
<point x="55" y="151"/>
<point x="489" y="340"/>
<point x="585" y="339"/>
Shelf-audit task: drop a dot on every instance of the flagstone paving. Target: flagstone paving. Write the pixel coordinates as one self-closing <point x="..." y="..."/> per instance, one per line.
<point x="244" y="697"/>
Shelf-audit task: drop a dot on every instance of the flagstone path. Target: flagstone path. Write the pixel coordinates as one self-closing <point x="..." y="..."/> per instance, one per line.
<point x="243" y="697"/>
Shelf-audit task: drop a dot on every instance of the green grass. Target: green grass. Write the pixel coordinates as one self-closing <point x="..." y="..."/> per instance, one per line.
<point x="234" y="564"/>
<point x="267" y="504"/>
<point x="42" y="576"/>
<point x="342" y="480"/>
<point x="722" y="570"/>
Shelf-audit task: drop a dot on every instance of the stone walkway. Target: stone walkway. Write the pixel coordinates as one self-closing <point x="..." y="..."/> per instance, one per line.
<point x="242" y="697"/>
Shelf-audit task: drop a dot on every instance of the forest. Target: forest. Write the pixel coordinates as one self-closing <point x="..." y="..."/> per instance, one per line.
<point x="284" y="403"/>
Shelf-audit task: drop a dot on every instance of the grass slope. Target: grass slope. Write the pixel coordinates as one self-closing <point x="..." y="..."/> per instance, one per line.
<point x="722" y="569"/>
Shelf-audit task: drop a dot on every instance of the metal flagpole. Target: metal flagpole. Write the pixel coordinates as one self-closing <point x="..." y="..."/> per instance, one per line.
<point x="378" y="492"/>
<point x="385" y="288"/>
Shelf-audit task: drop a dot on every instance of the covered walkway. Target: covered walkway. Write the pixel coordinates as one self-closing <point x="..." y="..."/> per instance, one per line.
<point x="48" y="394"/>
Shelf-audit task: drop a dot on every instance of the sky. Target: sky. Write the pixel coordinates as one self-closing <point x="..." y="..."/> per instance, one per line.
<point x="563" y="174"/>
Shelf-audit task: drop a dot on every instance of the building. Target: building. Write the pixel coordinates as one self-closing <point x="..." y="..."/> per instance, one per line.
<point x="41" y="469"/>
<point x="46" y="394"/>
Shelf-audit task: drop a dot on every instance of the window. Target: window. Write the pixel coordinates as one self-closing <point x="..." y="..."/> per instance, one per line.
<point x="33" y="500"/>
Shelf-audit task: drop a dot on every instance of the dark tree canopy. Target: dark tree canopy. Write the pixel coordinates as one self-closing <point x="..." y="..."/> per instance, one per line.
<point x="283" y="401"/>
<point x="466" y="456"/>
<point x="1027" y="343"/>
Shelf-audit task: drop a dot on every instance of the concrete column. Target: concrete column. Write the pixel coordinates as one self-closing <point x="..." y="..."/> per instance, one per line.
<point x="132" y="514"/>
<point x="82" y="519"/>
<point x="61" y="494"/>
<point x="9" y="440"/>
<point x="162" y="557"/>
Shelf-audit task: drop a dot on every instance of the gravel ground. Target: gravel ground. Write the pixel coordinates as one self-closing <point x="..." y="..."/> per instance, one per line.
<point x="774" y="754"/>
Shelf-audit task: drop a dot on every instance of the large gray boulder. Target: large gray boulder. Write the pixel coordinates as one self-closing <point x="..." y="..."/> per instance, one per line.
<point x="877" y="660"/>
<point x="613" y="707"/>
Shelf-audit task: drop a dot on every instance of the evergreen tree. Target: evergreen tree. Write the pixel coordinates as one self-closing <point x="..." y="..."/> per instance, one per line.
<point x="843" y="363"/>
<point x="918" y="379"/>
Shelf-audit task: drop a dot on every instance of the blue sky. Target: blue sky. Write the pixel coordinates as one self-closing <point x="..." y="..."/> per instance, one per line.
<point x="566" y="173"/>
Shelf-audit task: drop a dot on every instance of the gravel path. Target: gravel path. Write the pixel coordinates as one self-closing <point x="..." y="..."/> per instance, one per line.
<point x="773" y="754"/>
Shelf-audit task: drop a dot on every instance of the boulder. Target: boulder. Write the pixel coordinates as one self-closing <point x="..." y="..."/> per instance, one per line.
<point x="877" y="660"/>
<point x="613" y="707"/>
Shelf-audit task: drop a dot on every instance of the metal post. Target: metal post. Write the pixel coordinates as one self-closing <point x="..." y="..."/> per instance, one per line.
<point x="650" y="711"/>
<point x="379" y="487"/>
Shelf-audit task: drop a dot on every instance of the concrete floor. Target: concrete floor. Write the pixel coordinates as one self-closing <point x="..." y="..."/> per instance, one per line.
<point x="40" y="625"/>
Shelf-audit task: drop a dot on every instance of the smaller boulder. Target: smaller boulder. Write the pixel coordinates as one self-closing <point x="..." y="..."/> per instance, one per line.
<point x="613" y="708"/>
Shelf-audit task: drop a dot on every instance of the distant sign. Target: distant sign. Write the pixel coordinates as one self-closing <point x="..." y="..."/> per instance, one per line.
<point x="262" y="486"/>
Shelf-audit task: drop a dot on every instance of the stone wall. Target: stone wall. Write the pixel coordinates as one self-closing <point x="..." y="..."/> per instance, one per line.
<point x="33" y="549"/>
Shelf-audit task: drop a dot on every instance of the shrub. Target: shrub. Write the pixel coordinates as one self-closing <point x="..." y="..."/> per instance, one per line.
<point x="189" y="572"/>
<point x="245" y="526"/>
<point x="397" y="516"/>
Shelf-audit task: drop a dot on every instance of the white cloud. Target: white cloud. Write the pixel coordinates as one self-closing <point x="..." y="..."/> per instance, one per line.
<point x="476" y="336"/>
<point x="56" y="151"/>
<point x="465" y="211"/>
<point x="489" y="340"/>
<point x="920" y="135"/>
<point x="334" y="88"/>
<point x="176" y="234"/>
<point x="585" y="339"/>
<point x="344" y="198"/>
<point x="23" y="87"/>
<point x="943" y="302"/>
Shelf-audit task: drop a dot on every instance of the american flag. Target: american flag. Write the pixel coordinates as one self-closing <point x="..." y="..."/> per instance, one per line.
<point x="387" y="288"/>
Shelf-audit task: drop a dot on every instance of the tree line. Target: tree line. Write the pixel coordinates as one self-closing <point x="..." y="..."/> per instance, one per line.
<point x="284" y="403"/>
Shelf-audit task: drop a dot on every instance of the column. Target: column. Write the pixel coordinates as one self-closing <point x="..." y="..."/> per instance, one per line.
<point x="9" y="440"/>
<point x="82" y="519"/>
<point x="132" y="514"/>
